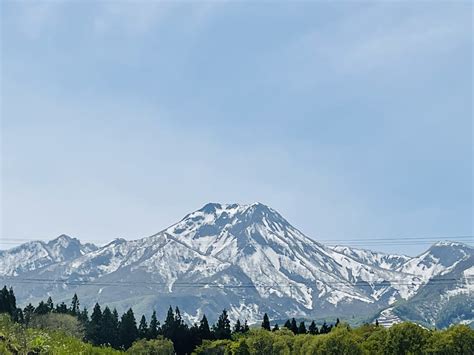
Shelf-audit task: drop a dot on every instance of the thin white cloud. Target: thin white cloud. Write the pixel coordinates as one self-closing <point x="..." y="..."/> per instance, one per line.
<point x="375" y="38"/>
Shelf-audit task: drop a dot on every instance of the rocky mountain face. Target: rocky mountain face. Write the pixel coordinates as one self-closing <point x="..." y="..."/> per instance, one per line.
<point x="245" y="258"/>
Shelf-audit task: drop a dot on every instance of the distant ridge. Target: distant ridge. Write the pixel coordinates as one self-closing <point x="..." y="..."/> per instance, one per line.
<point x="247" y="259"/>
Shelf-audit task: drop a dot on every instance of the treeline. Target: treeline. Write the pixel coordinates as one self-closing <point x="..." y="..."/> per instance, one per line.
<point x="104" y="326"/>
<point x="47" y="328"/>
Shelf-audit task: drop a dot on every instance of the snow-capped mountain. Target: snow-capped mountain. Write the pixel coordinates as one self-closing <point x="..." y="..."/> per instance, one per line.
<point x="37" y="254"/>
<point x="245" y="258"/>
<point x="382" y="260"/>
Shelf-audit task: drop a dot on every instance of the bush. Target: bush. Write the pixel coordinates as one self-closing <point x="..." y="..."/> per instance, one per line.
<point x="159" y="346"/>
<point x="58" y="321"/>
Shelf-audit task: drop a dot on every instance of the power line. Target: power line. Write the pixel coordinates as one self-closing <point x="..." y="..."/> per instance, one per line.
<point x="431" y="282"/>
<point x="364" y="241"/>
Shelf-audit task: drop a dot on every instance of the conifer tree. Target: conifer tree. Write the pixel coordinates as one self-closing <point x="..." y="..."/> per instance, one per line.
<point x="18" y="316"/>
<point x="204" y="330"/>
<point x="154" y="325"/>
<point x="337" y="322"/>
<point x="275" y="327"/>
<point x="246" y="327"/>
<point x="324" y="329"/>
<point x="302" y="328"/>
<point x="84" y="318"/>
<point x="143" y="328"/>
<point x="50" y="304"/>
<point x="287" y="324"/>
<point x="28" y="312"/>
<point x="294" y="327"/>
<point x="128" y="329"/>
<point x="169" y="326"/>
<point x="61" y="308"/>
<point x="42" y="308"/>
<point x="93" y="331"/>
<point x="266" y="322"/>
<point x="8" y="301"/>
<point x="74" y="310"/>
<point x="237" y="327"/>
<point x="376" y="322"/>
<point x="313" y="329"/>
<point x="108" y="328"/>
<point x="222" y="327"/>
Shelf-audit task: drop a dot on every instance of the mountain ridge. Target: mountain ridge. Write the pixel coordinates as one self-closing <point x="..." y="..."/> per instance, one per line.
<point x="246" y="258"/>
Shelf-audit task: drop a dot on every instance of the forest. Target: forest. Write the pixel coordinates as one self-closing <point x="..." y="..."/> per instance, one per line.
<point x="66" y="329"/>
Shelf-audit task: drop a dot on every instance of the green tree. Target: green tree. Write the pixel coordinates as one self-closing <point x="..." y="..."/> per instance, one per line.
<point x="237" y="327"/>
<point x="261" y="342"/>
<point x="28" y="313"/>
<point x="60" y="322"/>
<point x="128" y="331"/>
<point x="293" y="326"/>
<point x="154" y="326"/>
<point x="62" y="308"/>
<point x="245" y="328"/>
<point x="275" y="327"/>
<point x="240" y="347"/>
<point x="109" y="329"/>
<point x="406" y="338"/>
<point x="74" y="310"/>
<point x="266" y="322"/>
<point x="143" y="328"/>
<point x="221" y="329"/>
<point x="42" y="308"/>
<point x="313" y="329"/>
<point x="93" y="331"/>
<point x="458" y="339"/>
<point x="159" y="346"/>
<point x="302" y="328"/>
<point x="204" y="330"/>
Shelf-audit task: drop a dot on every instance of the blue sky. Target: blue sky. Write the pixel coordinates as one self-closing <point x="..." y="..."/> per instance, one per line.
<point x="352" y="119"/>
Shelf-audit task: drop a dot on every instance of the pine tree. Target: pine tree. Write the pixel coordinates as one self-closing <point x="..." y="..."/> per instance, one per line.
<point x="116" y="327"/>
<point x="287" y="324"/>
<point x="108" y="328"/>
<point x="50" y="304"/>
<point x="237" y="327"/>
<point x="294" y="327"/>
<point x="169" y="326"/>
<point x="204" y="330"/>
<point x="246" y="327"/>
<point x="313" y="329"/>
<point x="302" y="328"/>
<point x="275" y="327"/>
<point x="154" y="325"/>
<point x="4" y="301"/>
<point x="28" y="312"/>
<point x="62" y="308"/>
<point x="74" y="310"/>
<point x="376" y="322"/>
<point x="324" y="329"/>
<point x="11" y="301"/>
<point x="84" y="317"/>
<point x="18" y="316"/>
<point x="93" y="330"/>
<point x="143" y="328"/>
<point x="128" y="329"/>
<point x="337" y="322"/>
<point x="42" y="308"/>
<point x="266" y="322"/>
<point x="222" y="327"/>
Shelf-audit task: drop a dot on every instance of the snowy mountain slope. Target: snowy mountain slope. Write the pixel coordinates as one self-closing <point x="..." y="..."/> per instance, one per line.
<point x="440" y="259"/>
<point x="446" y="298"/>
<point x="246" y="258"/>
<point x="37" y="254"/>
<point x="381" y="260"/>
